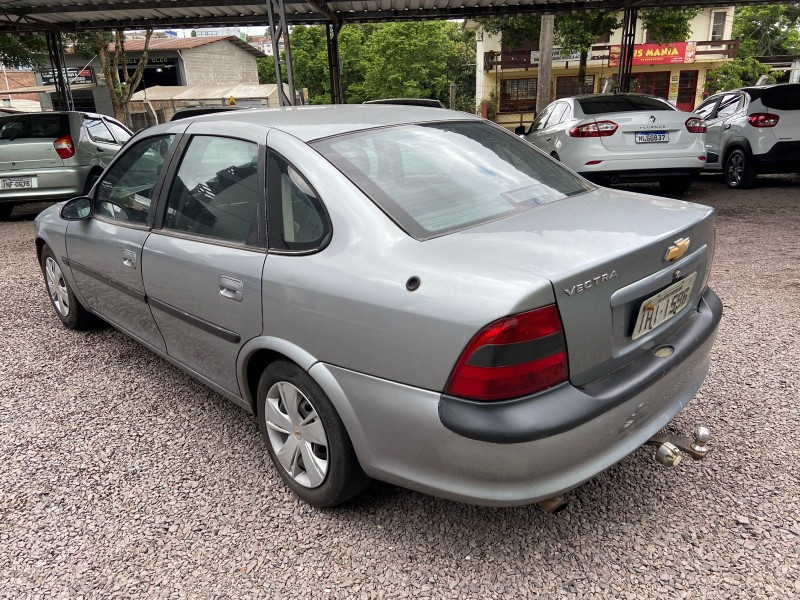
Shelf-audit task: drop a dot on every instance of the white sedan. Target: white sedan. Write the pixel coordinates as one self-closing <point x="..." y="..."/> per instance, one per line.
<point x="612" y="138"/>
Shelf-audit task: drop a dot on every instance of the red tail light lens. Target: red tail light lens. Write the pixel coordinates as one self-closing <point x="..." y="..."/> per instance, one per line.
<point x="515" y="356"/>
<point x="64" y="147"/>
<point x="591" y="130"/>
<point x="695" y="125"/>
<point x="763" y="119"/>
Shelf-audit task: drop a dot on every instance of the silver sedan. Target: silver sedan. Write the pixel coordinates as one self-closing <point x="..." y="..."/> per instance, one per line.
<point x="401" y="293"/>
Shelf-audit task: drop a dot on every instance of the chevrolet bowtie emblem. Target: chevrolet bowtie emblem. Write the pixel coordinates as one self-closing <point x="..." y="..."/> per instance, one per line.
<point x="678" y="249"/>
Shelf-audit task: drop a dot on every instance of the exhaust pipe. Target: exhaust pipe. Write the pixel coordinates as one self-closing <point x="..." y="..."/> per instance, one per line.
<point x="553" y="505"/>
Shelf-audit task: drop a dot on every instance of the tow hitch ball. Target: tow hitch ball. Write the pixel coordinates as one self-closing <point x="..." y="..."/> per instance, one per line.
<point x="671" y="448"/>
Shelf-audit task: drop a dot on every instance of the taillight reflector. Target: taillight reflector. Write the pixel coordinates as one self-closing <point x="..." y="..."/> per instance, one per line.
<point x="763" y="120"/>
<point x="515" y="356"/>
<point x="64" y="147"/>
<point x="696" y="125"/>
<point x="598" y="129"/>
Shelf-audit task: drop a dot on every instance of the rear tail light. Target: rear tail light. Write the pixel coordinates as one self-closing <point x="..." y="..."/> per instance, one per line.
<point x="64" y="146"/>
<point x="515" y="356"/>
<point x="763" y="119"/>
<point x="591" y="130"/>
<point x="696" y="125"/>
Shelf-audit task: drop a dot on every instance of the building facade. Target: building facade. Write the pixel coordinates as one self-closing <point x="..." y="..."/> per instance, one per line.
<point x="507" y="78"/>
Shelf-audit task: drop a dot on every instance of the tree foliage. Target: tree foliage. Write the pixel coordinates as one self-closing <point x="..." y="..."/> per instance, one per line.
<point x="23" y="50"/>
<point x="735" y="74"/>
<point x="768" y="29"/>
<point x="578" y="32"/>
<point x="516" y="31"/>
<point x="665" y="25"/>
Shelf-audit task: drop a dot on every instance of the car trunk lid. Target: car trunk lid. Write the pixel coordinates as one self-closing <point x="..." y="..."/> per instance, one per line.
<point x="648" y="131"/>
<point x="605" y="254"/>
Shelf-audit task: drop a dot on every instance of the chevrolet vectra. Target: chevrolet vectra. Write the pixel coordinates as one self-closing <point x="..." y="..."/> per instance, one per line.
<point x="401" y="293"/>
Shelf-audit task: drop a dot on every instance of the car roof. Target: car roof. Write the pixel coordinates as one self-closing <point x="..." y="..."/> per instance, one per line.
<point x="320" y="121"/>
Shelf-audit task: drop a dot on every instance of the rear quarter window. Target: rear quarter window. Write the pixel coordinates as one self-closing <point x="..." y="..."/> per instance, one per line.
<point x="612" y="104"/>
<point x="41" y="126"/>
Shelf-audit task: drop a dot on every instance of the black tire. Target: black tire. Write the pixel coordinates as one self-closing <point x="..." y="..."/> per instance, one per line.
<point x="66" y="306"/>
<point x="343" y="477"/>
<point x="5" y="210"/>
<point x="739" y="172"/>
<point x="675" y="185"/>
<point x="90" y="181"/>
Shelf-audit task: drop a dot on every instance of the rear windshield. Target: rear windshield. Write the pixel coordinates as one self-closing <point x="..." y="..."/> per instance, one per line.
<point x="782" y="97"/>
<point x="612" y="104"/>
<point x="44" y="126"/>
<point x="432" y="179"/>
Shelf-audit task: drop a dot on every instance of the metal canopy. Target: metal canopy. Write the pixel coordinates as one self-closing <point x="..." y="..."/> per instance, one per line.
<point x="83" y="15"/>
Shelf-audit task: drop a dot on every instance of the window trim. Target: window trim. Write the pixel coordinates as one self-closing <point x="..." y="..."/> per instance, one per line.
<point x="114" y="141"/>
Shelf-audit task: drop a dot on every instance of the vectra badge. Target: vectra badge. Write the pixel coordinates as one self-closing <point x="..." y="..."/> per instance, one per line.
<point x="590" y="283"/>
<point x="678" y="249"/>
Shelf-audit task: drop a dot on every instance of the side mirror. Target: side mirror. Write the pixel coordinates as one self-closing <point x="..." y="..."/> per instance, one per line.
<point x="520" y="130"/>
<point x="77" y="209"/>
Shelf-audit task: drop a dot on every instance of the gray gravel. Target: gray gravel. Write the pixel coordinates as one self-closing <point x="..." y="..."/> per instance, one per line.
<point x="122" y="477"/>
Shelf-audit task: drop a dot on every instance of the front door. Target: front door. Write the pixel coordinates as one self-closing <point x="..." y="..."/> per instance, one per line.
<point x="105" y="251"/>
<point x="205" y="260"/>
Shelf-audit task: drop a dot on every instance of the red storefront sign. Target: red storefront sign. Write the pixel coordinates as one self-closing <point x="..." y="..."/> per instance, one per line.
<point x="655" y="54"/>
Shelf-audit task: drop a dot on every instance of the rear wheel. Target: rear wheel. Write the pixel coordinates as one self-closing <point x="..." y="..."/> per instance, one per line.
<point x="5" y="210"/>
<point x="675" y="185"/>
<point x="739" y="172"/>
<point x="305" y="437"/>
<point x="68" y="309"/>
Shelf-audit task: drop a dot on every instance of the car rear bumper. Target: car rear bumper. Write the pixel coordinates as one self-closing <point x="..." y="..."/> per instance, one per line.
<point x="51" y="184"/>
<point x="612" y="175"/>
<point x="563" y="437"/>
<point x="783" y="157"/>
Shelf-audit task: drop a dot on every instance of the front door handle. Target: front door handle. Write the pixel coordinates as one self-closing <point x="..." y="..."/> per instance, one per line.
<point x="129" y="258"/>
<point x="727" y="125"/>
<point x="548" y="139"/>
<point x="230" y="288"/>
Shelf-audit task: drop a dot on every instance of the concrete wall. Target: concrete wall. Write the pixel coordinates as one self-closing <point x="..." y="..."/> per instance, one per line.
<point x="220" y="63"/>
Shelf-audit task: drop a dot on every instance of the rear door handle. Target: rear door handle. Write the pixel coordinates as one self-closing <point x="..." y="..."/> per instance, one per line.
<point x="548" y="139"/>
<point x="230" y="288"/>
<point x="100" y="150"/>
<point x="129" y="258"/>
<point x="727" y="125"/>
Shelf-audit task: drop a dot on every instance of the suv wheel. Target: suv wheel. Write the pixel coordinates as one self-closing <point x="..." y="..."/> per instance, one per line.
<point x="739" y="172"/>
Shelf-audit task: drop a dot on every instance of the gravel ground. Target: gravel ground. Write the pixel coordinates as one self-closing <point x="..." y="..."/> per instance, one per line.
<point x="122" y="477"/>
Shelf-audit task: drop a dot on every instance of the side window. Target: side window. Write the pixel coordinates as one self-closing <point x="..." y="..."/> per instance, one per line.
<point x="98" y="131"/>
<point x="728" y="105"/>
<point x="558" y="115"/>
<point x="122" y="134"/>
<point x="215" y="193"/>
<point x="706" y="109"/>
<point x="295" y="215"/>
<point x="541" y="121"/>
<point x="126" y="190"/>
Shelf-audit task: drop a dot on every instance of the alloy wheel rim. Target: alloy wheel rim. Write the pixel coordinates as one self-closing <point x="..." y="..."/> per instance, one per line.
<point x="735" y="169"/>
<point x="296" y="434"/>
<point x="56" y="286"/>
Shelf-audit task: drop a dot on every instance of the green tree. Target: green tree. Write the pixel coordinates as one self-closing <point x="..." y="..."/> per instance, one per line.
<point x="767" y="30"/>
<point x="665" y="25"/>
<point x="110" y="50"/>
<point x="735" y="74"/>
<point x="578" y="32"/>
<point x="516" y="31"/>
<point x="24" y="50"/>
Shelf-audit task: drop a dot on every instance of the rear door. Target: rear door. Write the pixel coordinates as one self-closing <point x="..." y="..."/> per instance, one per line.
<point x="535" y="134"/>
<point x="719" y="126"/>
<point x="205" y="257"/>
<point x="104" y="144"/>
<point x="105" y="251"/>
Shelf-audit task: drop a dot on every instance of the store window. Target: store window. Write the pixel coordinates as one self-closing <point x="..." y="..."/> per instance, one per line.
<point x="654" y="84"/>
<point x="568" y="86"/>
<point x="518" y="95"/>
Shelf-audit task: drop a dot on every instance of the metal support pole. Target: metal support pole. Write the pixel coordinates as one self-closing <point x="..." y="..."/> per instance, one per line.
<point x="55" y="50"/>
<point x="334" y="66"/>
<point x="626" y="51"/>
<point x="278" y="8"/>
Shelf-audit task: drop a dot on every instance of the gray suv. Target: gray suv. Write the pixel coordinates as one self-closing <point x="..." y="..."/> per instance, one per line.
<point x="753" y="130"/>
<point x="54" y="155"/>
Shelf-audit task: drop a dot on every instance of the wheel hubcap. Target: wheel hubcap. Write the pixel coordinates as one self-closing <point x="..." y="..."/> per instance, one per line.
<point x="296" y="434"/>
<point x="56" y="286"/>
<point x="735" y="169"/>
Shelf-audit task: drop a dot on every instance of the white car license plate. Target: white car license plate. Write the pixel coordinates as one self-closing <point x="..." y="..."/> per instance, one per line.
<point x="13" y="183"/>
<point x="663" y="306"/>
<point x="649" y="137"/>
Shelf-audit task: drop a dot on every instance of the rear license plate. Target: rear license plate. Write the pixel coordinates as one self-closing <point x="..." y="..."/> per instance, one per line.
<point x="663" y="306"/>
<point x="13" y="183"/>
<point x="650" y="137"/>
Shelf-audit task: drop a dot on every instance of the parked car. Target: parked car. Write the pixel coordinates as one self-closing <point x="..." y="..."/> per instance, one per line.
<point x="54" y="155"/>
<point x="199" y="111"/>
<point x="753" y="130"/>
<point x="408" y="294"/>
<point x="611" y="138"/>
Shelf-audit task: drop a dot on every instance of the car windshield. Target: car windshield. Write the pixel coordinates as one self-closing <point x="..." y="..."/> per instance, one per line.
<point x="598" y="105"/>
<point x="45" y="126"/>
<point x="433" y="179"/>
